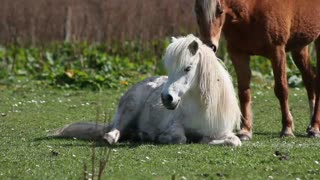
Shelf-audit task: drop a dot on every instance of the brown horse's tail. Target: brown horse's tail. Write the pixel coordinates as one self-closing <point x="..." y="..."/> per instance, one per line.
<point x="81" y="130"/>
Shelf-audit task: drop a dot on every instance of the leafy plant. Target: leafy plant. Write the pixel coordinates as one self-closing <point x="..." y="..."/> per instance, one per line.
<point x="113" y="64"/>
<point x="82" y="65"/>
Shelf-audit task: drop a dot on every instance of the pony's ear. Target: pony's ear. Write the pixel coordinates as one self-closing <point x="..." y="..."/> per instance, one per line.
<point x="193" y="47"/>
<point x="173" y="39"/>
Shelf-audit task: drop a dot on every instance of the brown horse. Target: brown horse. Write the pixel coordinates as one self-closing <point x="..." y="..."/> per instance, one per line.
<point x="268" y="28"/>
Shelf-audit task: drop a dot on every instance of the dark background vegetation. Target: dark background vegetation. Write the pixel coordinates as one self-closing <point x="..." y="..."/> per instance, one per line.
<point x="41" y="21"/>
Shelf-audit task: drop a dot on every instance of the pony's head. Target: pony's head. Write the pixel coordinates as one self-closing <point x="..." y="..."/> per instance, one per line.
<point x="195" y="72"/>
<point x="210" y="18"/>
<point x="181" y="62"/>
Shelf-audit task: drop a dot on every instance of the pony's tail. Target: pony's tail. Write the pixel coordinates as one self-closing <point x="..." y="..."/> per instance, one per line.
<point x="81" y="130"/>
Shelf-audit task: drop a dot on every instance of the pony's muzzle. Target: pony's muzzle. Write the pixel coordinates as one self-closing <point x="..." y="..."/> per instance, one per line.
<point x="168" y="101"/>
<point x="213" y="47"/>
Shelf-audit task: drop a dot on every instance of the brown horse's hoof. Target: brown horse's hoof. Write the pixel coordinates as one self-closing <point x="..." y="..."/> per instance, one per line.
<point x="287" y="133"/>
<point x="245" y="135"/>
<point x="309" y="128"/>
<point x="313" y="133"/>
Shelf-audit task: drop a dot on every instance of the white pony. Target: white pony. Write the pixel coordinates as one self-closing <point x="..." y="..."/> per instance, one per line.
<point x="196" y="102"/>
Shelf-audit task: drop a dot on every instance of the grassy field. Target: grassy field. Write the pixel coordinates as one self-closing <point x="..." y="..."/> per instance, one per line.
<point x="29" y="110"/>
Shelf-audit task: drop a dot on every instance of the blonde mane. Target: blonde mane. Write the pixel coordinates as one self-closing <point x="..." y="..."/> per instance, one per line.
<point x="217" y="92"/>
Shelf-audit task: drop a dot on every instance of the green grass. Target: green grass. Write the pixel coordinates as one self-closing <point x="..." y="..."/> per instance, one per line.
<point x="29" y="110"/>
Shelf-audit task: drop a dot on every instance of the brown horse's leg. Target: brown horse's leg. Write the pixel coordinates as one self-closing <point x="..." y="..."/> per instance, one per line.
<point x="314" y="131"/>
<point x="241" y="65"/>
<point x="301" y="59"/>
<point x="281" y="89"/>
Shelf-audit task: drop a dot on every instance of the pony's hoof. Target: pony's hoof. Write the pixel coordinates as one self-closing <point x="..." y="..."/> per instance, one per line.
<point x="245" y="135"/>
<point x="112" y="137"/>
<point x="314" y="133"/>
<point x="233" y="141"/>
<point x="287" y="133"/>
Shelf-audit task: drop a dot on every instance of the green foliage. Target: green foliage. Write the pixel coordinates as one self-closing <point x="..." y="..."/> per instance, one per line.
<point x="82" y="65"/>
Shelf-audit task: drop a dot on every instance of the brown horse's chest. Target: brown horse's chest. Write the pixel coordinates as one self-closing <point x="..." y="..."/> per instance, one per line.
<point x="256" y="39"/>
<point x="249" y="38"/>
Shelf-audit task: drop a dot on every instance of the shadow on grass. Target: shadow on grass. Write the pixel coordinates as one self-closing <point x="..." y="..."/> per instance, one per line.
<point x="98" y="143"/>
<point x="275" y="135"/>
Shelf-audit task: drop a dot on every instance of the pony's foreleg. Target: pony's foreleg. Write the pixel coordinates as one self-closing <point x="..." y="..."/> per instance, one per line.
<point x="126" y="113"/>
<point x="242" y="68"/>
<point x="120" y="123"/>
<point x="175" y="134"/>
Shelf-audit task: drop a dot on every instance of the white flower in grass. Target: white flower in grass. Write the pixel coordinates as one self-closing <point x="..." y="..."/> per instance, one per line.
<point x="164" y="161"/>
<point x="317" y="162"/>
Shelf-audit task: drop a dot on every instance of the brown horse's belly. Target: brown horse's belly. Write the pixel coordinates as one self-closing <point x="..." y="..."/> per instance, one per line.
<point x="299" y="41"/>
<point x="305" y="36"/>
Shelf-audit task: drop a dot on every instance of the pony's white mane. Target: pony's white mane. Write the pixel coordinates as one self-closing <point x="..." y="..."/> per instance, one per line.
<point x="215" y="84"/>
<point x="217" y="92"/>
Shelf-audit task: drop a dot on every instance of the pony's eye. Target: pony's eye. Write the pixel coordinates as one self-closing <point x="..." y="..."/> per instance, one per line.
<point x="187" y="69"/>
<point x="219" y="10"/>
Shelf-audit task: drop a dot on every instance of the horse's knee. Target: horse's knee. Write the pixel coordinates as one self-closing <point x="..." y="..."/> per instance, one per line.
<point x="281" y="91"/>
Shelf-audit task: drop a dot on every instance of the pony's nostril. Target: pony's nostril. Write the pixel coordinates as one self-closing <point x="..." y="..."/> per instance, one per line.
<point x="213" y="47"/>
<point x="166" y="98"/>
<point x="169" y="98"/>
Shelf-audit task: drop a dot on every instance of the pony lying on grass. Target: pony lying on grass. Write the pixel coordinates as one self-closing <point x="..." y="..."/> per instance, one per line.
<point x="196" y="102"/>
